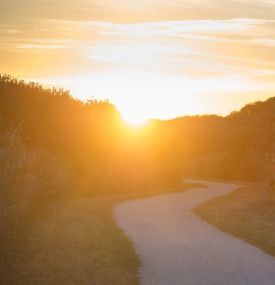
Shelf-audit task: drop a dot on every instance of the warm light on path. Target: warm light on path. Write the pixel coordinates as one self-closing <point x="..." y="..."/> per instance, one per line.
<point x="175" y="246"/>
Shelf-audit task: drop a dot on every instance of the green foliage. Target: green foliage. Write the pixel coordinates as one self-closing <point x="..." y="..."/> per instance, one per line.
<point x="91" y="144"/>
<point x="83" y="147"/>
<point x="235" y="147"/>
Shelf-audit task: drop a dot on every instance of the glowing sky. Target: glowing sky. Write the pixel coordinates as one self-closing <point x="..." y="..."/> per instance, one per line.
<point x="152" y="58"/>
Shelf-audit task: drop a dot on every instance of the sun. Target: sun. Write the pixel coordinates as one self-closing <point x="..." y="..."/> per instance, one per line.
<point x="134" y="120"/>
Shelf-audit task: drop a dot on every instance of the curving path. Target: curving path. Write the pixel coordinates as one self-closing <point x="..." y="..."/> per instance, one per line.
<point x="176" y="247"/>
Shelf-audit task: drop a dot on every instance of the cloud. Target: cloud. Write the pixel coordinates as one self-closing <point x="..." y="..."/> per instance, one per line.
<point x="195" y="47"/>
<point x="135" y="52"/>
<point x="192" y="47"/>
<point x="177" y="28"/>
<point x="265" y="42"/>
<point x="200" y="29"/>
<point x="19" y="12"/>
<point x="39" y="46"/>
<point x="178" y="46"/>
<point x="238" y="53"/>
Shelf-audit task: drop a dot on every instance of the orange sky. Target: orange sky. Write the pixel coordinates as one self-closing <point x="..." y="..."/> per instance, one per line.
<point x="152" y="58"/>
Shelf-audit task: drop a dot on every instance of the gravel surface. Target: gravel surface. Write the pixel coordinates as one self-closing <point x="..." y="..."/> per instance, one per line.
<point x="176" y="247"/>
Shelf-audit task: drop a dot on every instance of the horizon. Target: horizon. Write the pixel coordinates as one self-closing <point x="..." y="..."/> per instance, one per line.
<point x="151" y="59"/>
<point x="142" y="122"/>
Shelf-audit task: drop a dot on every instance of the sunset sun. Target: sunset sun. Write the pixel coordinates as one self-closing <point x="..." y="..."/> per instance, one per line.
<point x="134" y="120"/>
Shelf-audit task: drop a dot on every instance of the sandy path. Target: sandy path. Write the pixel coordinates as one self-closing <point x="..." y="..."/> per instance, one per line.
<point x="176" y="247"/>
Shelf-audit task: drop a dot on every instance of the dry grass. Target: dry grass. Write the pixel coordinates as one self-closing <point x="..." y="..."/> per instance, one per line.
<point x="77" y="242"/>
<point x="248" y="213"/>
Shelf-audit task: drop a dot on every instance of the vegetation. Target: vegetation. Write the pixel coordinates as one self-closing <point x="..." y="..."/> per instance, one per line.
<point x="237" y="147"/>
<point x="247" y="213"/>
<point x="55" y="149"/>
<point x="77" y="242"/>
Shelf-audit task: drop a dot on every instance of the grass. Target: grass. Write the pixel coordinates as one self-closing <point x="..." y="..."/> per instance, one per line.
<point x="77" y="242"/>
<point x="247" y="213"/>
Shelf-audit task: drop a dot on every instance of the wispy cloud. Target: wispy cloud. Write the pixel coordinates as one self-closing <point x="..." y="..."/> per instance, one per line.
<point x="201" y="48"/>
<point x="195" y="57"/>
<point x="20" y="12"/>
<point x="220" y="30"/>
<point x="39" y="46"/>
<point x="195" y="47"/>
<point x="125" y="47"/>
<point x="177" y="28"/>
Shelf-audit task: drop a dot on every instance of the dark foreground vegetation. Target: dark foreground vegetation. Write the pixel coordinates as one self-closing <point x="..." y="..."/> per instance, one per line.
<point x="54" y="148"/>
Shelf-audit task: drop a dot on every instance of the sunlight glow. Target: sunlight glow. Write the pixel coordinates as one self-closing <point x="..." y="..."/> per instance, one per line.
<point x="134" y="120"/>
<point x="154" y="69"/>
<point x="140" y="96"/>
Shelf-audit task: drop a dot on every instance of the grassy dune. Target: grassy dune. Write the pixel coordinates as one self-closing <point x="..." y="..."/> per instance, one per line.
<point x="77" y="242"/>
<point x="248" y="213"/>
